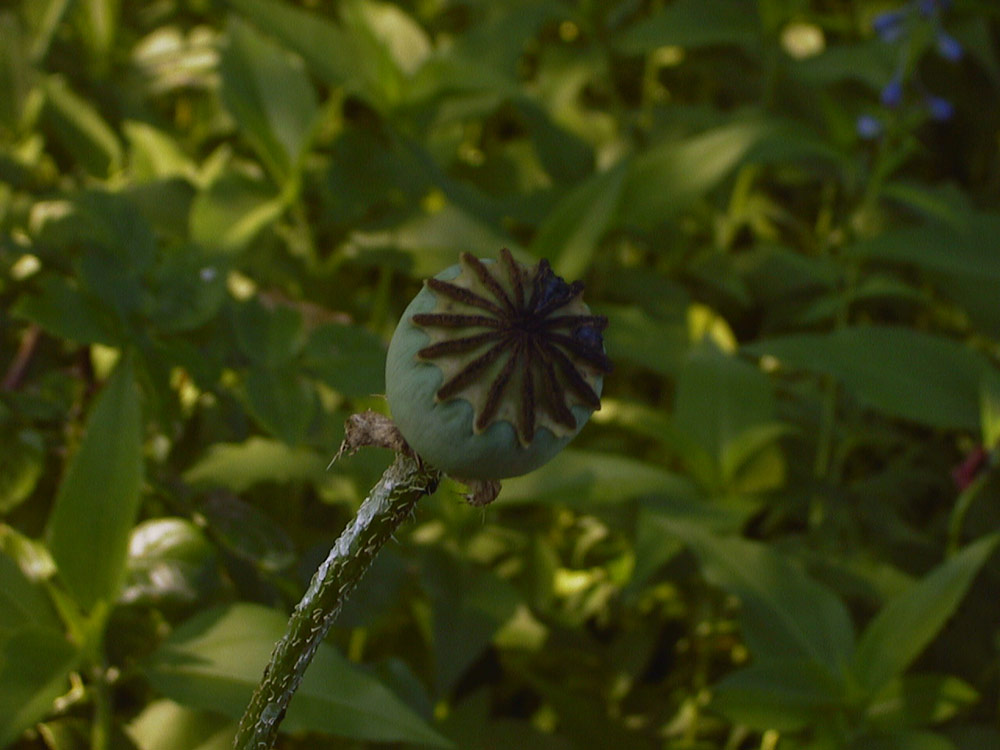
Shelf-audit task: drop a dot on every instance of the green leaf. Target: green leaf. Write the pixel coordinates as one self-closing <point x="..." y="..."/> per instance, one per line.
<point x="165" y="725"/>
<point x="99" y="496"/>
<point x="989" y="406"/>
<point x="215" y="660"/>
<point x="571" y="232"/>
<point x="21" y="601"/>
<point x="786" y="616"/>
<point x="655" y="343"/>
<point x="781" y="695"/>
<point x="694" y="23"/>
<point x="269" y="94"/>
<point x="347" y="358"/>
<point x="81" y="129"/>
<point x="669" y="177"/>
<point x="239" y="466"/>
<point x="269" y="337"/>
<point x="719" y="398"/>
<point x="580" y="478"/>
<point x="248" y="533"/>
<point x="22" y="456"/>
<point x="906" y="373"/>
<point x="35" y="663"/>
<point x="963" y="246"/>
<point x="232" y="211"/>
<point x="329" y="51"/>
<point x="469" y="605"/>
<point x="904" y="627"/>
<point x="282" y="401"/>
<point x="916" y="700"/>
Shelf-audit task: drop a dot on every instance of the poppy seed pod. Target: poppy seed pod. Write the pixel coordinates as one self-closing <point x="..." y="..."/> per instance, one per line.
<point x="495" y="367"/>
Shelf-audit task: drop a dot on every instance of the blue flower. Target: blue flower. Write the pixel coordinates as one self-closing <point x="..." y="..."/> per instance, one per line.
<point x="869" y="127"/>
<point x="948" y="47"/>
<point x="889" y="26"/>
<point x="940" y="109"/>
<point x="892" y="94"/>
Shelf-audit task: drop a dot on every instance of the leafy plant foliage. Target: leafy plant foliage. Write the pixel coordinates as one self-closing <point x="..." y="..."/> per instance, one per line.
<point x="778" y="532"/>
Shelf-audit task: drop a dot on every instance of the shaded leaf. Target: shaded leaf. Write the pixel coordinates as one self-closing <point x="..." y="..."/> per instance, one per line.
<point x="904" y="627"/>
<point x="35" y="663"/>
<point x="215" y="660"/>
<point x="99" y="496"/>
<point x="269" y="94"/>
<point x="782" y="695"/>
<point x="238" y="466"/>
<point x="910" y="374"/>
<point x="786" y="615"/>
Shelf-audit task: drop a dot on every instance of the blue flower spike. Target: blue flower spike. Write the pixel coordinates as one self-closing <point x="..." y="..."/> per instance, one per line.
<point x="869" y="127"/>
<point x="889" y="26"/>
<point x="940" y="109"/>
<point x="892" y="94"/>
<point x="948" y="47"/>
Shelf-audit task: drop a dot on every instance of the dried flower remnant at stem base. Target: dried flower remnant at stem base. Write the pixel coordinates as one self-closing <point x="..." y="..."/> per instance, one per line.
<point x="517" y="346"/>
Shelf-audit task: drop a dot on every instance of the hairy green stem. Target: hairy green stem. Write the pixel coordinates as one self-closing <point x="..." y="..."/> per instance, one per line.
<point x="389" y="503"/>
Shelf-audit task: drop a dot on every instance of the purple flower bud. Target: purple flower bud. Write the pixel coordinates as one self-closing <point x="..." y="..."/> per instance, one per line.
<point x="892" y="94"/>
<point x="869" y="127"/>
<point x="889" y="26"/>
<point x="940" y="109"/>
<point x="927" y="7"/>
<point x="948" y="47"/>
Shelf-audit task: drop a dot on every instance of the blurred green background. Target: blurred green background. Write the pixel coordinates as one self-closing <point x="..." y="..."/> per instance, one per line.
<point x="777" y="532"/>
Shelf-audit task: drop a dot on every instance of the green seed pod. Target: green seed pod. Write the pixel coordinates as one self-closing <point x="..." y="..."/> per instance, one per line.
<point x="495" y="367"/>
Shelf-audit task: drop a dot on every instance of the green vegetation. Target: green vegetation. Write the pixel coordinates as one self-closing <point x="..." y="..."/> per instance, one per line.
<point x="779" y="530"/>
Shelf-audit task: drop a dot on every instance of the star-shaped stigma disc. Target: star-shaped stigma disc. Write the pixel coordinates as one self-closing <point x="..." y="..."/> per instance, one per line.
<point x="517" y="343"/>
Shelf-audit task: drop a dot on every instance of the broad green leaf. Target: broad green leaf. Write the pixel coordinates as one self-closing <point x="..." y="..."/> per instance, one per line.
<point x="871" y="62"/>
<point x="271" y="337"/>
<point x="694" y="23"/>
<point x="964" y="247"/>
<point x="22" y="456"/>
<point x="904" y="627"/>
<point x="99" y="222"/>
<point x="165" y="725"/>
<point x="916" y="700"/>
<point x="269" y="94"/>
<point x="81" y="129"/>
<point x="98" y="498"/>
<point x="786" y="615"/>
<point x="215" y="660"/>
<point x="248" y="533"/>
<point x="154" y="154"/>
<point x="583" y="477"/>
<point x="347" y="358"/>
<point x="328" y="50"/>
<point x="228" y="214"/>
<point x="718" y="398"/>
<point x="906" y="373"/>
<point x="21" y="601"/>
<point x="781" y="695"/>
<point x="469" y="606"/>
<point x="572" y="231"/>
<point x="239" y="466"/>
<point x="282" y="401"/>
<point x="669" y="177"/>
<point x="633" y="335"/>
<point x="35" y="663"/>
<point x="188" y="289"/>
